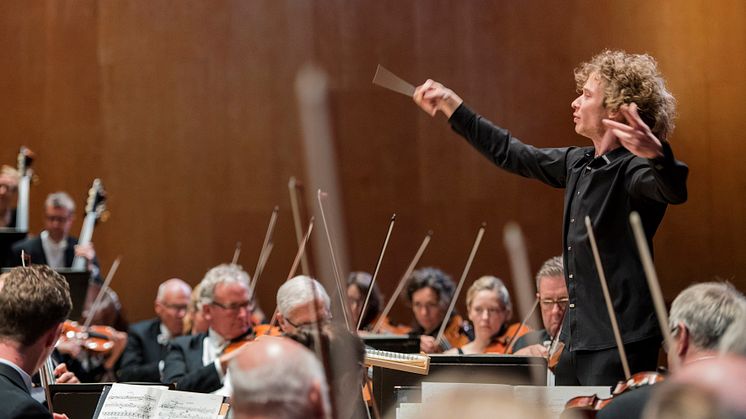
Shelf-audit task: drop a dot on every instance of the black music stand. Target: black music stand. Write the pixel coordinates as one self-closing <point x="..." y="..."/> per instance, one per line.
<point x="77" y="401"/>
<point x="8" y="236"/>
<point x="393" y="343"/>
<point x="488" y="368"/>
<point x="78" y="282"/>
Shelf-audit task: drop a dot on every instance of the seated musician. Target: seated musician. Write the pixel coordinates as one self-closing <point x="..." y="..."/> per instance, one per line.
<point x="553" y="298"/>
<point x="700" y="315"/>
<point x="358" y="284"/>
<point x="54" y="247"/>
<point x="195" y="322"/>
<point x="9" y="178"/>
<point x="148" y="339"/>
<point x="278" y="378"/>
<point x="490" y="310"/>
<point x="34" y="302"/>
<point x="429" y="292"/>
<point x="197" y="362"/>
<point x="302" y="301"/>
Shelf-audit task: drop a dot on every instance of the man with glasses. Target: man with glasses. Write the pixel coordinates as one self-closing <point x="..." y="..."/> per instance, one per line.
<point x="199" y="362"/>
<point x="302" y="301"/>
<point x="553" y="298"/>
<point x="54" y="247"/>
<point x="146" y="346"/>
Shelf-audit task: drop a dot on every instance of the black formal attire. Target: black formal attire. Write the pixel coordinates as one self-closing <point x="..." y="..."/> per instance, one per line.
<point x="183" y="365"/>
<point x="16" y="399"/>
<point x="531" y="338"/>
<point x="143" y="353"/>
<point x="34" y="248"/>
<point x="607" y="189"/>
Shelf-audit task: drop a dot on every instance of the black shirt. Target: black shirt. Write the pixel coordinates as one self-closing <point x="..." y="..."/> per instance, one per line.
<point x="606" y="188"/>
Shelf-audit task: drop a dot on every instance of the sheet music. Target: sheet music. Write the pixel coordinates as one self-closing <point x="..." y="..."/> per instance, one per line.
<point x="127" y="401"/>
<point x="186" y="405"/>
<point x="408" y="411"/>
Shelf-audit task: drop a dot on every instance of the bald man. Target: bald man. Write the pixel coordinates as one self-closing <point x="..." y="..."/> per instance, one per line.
<point x="148" y="339"/>
<point x="278" y="378"/>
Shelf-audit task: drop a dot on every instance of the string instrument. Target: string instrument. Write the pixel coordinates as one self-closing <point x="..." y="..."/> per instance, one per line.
<point x="95" y="338"/>
<point x="239" y="342"/>
<point x="25" y="158"/>
<point x="95" y="210"/>
<point x="372" y="285"/>
<point x="500" y="344"/>
<point x="295" y="189"/>
<point x="385" y="327"/>
<point x="587" y="406"/>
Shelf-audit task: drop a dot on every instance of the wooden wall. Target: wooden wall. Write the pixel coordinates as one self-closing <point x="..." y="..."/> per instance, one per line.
<point x="186" y="109"/>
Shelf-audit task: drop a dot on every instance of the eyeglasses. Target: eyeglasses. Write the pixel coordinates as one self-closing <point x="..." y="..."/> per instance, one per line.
<point x="324" y="320"/>
<point x="59" y="219"/>
<point x="548" y="302"/>
<point x="235" y="306"/>
<point x="176" y="307"/>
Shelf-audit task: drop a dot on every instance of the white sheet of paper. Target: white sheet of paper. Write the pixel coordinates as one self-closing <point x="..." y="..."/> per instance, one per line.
<point x="434" y="391"/>
<point x="408" y="410"/>
<point x="130" y="401"/>
<point x="186" y="405"/>
<point x="556" y="397"/>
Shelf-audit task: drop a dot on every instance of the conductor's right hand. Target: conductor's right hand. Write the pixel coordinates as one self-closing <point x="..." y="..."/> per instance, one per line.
<point x="432" y="97"/>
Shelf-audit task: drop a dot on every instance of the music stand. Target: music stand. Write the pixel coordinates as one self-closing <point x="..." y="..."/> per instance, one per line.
<point x="393" y="343"/>
<point x="78" y="282"/>
<point x="8" y="236"/>
<point x="79" y="401"/>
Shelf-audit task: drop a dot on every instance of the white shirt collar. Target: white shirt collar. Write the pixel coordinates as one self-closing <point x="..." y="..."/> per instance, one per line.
<point x="54" y="251"/>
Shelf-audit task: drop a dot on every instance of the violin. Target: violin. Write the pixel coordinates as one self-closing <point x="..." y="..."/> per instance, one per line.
<point x="267" y="329"/>
<point x="99" y="339"/>
<point x="500" y="344"/>
<point x="587" y="406"/>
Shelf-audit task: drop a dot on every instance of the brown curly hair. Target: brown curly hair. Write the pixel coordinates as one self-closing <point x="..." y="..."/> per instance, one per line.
<point x="632" y="78"/>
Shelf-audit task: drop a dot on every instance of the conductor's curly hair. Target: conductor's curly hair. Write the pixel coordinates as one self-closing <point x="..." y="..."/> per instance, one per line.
<point x="632" y="78"/>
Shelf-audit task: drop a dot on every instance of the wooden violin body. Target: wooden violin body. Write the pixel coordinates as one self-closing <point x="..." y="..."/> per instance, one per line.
<point x="587" y="406"/>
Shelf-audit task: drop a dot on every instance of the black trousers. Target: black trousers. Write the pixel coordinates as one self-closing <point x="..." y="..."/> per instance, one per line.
<point x="604" y="367"/>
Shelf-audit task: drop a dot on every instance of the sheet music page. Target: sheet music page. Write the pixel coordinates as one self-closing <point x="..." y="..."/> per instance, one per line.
<point x="127" y="401"/>
<point x="434" y="391"/>
<point x="408" y="411"/>
<point x="188" y="405"/>
<point x="556" y="397"/>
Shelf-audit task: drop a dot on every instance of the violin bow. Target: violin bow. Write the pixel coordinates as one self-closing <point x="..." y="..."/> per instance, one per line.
<point x="512" y="339"/>
<point x="375" y="272"/>
<point x="607" y="297"/>
<point x="464" y="274"/>
<point x="337" y="277"/>
<point x="236" y="253"/>
<point x="653" y="283"/>
<point x="97" y="302"/>
<point x="293" y="186"/>
<point x="403" y="281"/>
<point x="266" y="250"/>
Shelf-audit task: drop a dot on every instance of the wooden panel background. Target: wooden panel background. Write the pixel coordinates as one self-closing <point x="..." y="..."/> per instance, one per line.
<point x="187" y="111"/>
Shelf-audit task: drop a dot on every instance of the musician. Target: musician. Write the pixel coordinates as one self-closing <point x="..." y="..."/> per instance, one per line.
<point x="627" y="113"/>
<point x="429" y="293"/>
<point x="197" y="362"/>
<point x="302" y="301"/>
<point x="553" y="298"/>
<point x="278" y="378"/>
<point x="490" y="310"/>
<point x="358" y="284"/>
<point x="700" y="316"/>
<point x="195" y="322"/>
<point x="54" y="247"/>
<point x="34" y="302"/>
<point x="148" y="339"/>
<point x="9" y="178"/>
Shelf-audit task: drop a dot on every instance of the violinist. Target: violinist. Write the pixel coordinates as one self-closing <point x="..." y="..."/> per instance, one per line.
<point x="148" y="339"/>
<point x="490" y="310"/>
<point x="9" y="178"/>
<point x="54" y="247"/>
<point x="358" y="284"/>
<point x="553" y="298"/>
<point x="626" y="111"/>
<point x="429" y="292"/>
<point x="302" y="301"/>
<point x="195" y="322"/>
<point x="34" y="303"/>
<point x="699" y="317"/>
<point x="197" y="362"/>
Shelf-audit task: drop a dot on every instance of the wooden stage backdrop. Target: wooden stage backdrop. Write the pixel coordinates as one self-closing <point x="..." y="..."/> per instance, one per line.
<point x="187" y="111"/>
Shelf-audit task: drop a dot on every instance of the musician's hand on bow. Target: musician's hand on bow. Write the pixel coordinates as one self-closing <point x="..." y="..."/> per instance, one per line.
<point x="63" y="376"/>
<point x="635" y="136"/>
<point x="432" y="97"/>
<point x="533" y="350"/>
<point x="428" y="345"/>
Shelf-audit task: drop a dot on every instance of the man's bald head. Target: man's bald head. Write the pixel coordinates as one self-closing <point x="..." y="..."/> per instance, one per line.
<point x="279" y="378"/>
<point x="171" y="304"/>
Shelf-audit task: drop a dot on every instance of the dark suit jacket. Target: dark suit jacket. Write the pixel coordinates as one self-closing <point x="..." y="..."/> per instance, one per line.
<point x="143" y="353"/>
<point x="15" y="398"/>
<point x="33" y="247"/>
<point x="183" y="366"/>
<point x="531" y="338"/>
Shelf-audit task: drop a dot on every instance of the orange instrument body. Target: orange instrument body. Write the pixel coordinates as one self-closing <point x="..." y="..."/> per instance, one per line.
<point x="587" y="406"/>
<point x="387" y="327"/>
<point x="500" y="344"/>
<point x="96" y="338"/>
<point x="454" y="332"/>
<point x="267" y="329"/>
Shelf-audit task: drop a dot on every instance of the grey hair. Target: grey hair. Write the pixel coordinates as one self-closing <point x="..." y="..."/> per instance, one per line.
<point x="60" y="200"/>
<point x="163" y="288"/>
<point x="279" y="389"/>
<point x="226" y="273"/>
<point x="298" y="291"/>
<point x="734" y="339"/>
<point x="490" y="283"/>
<point x="707" y="310"/>
<point x="551" y="267"/>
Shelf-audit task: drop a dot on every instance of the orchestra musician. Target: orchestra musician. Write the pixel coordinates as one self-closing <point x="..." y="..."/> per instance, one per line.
<point x="429" y="292"/>
<point x="699" y="317"/>
<point x="9" y="178"/>
<point x="195" y="322"/>
<point x="54" y="247"/>
<point x="197" y="362"/>
<point x="489" y="309"/>
<point x="302" y="301"/>
<point x="552" y="294"/>
<point x="34" y="303"/>
<point x="358" y="284"/>
<point x="626" y="111"/>
<point x="148" y="339"/>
